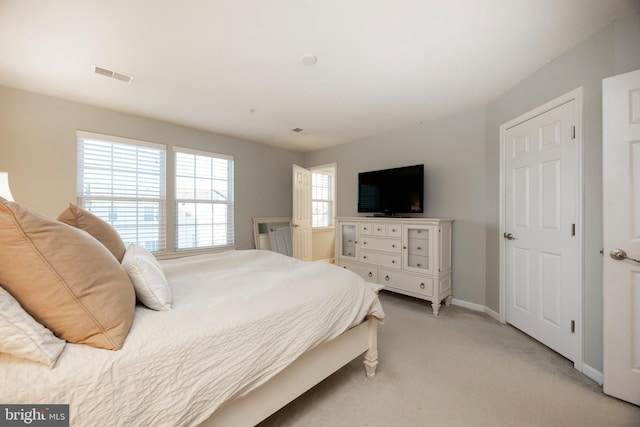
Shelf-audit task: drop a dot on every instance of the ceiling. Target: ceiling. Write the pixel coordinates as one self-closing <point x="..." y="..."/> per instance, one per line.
<point x="234" y="66"/>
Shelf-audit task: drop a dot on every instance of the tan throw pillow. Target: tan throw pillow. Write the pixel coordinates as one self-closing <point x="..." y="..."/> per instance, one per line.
<point x="64" y="278"/>
<point x="97" y="227"/>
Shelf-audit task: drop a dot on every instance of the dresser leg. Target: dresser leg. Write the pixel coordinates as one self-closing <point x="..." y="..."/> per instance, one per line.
<point x="435" y="306"/>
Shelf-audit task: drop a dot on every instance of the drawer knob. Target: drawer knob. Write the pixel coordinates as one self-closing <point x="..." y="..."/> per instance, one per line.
<point x="393" y="261"/>
<point x="370" y="274"/>
<point x="364" y="256"/>
<point x="364" y="243"/>
<point x="386" y="278"/>
<point x="393" y="229"/>
<point x="404" y="247"/>
<point x="393" y="246"/>
<point x="421" y="285"/>
<point x="419" y="264"/>
<point x="419" y="248"/>
<point x="379" y="229"/>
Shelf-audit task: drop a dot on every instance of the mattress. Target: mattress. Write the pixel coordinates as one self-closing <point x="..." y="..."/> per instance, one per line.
<point x="238" y="318"/>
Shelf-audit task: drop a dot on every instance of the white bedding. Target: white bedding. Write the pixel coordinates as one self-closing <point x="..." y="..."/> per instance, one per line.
<point x="238" y="318"/>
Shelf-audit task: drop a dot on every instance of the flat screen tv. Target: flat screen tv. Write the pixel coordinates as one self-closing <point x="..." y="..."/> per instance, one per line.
<point x="392" y="191"/>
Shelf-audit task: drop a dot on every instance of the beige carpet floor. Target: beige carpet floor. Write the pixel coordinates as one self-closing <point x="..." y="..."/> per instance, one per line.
<point x="461" y="368"/>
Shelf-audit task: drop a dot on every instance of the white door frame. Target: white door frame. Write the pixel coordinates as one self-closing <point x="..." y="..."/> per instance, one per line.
<point x="577" y="96"/>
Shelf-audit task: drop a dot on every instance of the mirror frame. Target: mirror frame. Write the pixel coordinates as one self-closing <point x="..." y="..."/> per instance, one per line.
<point x="266" y="220"/>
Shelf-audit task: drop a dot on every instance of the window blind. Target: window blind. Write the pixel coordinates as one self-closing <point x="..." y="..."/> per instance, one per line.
<point x="122" y="181"/>
<point x="321" y="199"/>
<point x="204" y="196"/>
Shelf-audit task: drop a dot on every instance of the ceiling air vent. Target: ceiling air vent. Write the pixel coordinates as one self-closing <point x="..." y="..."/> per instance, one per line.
<point x="113" y="74"/>
<point x="297" y="130"/>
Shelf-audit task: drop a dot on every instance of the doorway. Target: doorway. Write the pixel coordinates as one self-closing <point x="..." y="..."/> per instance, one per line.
<point x="541" y="224"/>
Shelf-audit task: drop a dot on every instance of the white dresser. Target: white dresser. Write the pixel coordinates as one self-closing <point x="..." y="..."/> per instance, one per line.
<point x="411" y="256"/>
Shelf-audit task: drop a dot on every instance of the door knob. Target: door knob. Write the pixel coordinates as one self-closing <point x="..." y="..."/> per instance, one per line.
<point x="619" y="255"/>
<point x="509" y="236"/>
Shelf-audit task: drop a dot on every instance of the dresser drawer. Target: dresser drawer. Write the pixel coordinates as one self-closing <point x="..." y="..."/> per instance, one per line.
<point x="380" y="259"/>
<point x="386" y="229"/>
<point x="378" y="244"/>
<point x="419" y="247"/>
<point x="367" y="272"/>
<point x="416" y="284"/>
<point x="379" y="229"/>
<point x="349" y="250"/>
<point x="418" y="233"/>
<point x="365" y="228"/>
<point x="394" y="230"/>
<point x="417" y="261"/>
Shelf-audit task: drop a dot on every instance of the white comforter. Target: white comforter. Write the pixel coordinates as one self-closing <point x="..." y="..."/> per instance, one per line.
<point x="238" y="318"/>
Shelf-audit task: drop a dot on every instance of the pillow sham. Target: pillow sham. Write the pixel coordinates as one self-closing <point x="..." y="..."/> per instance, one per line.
<point x="64" y="278"/>
<point x="147" y="276"/>
<point x="97" y="227"/>
<point x="23" y="337"/>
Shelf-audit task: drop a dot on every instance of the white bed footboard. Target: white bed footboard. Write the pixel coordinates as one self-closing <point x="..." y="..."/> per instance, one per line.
<point x="307" y="371"/>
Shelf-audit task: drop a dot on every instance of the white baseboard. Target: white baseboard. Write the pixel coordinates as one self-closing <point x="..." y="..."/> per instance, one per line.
<point x="492" y="313"/>
<point x="594" y="374"/>
<point x="469" y="305"/>
<point x="476" y="307"/>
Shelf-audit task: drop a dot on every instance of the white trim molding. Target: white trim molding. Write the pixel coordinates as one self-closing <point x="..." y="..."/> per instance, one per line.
<point x="576" y="95"/>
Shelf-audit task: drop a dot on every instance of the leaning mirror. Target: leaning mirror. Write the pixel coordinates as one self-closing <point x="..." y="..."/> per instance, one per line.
<point x="273" y="234"/>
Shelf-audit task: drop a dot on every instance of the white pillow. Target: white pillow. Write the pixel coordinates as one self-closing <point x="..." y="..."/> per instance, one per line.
<point x="22" y="336"/>
<point x="152" y="288"/>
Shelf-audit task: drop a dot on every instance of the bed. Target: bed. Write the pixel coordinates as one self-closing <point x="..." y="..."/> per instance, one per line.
<point x="247" y="332"/>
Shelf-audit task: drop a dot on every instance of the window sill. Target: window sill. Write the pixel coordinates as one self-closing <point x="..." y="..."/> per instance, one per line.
<point x="190" y="252"/>
<point x="323" y="229"/>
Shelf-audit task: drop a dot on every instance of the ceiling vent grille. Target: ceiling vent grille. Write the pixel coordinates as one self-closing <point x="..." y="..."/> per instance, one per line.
<point x="297" y="130"/>
<point x="113" y="74"/>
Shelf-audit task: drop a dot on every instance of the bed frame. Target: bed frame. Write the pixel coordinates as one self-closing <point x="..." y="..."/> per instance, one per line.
<point x="307" y="371"/>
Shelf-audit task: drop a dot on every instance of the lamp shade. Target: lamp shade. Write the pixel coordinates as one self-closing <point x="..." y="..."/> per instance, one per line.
<point x="5" y="191"/>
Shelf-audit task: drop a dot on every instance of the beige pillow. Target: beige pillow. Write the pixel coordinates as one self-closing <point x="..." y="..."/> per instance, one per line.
<point x="97" y="227"/>
<point x="64" y="278"/>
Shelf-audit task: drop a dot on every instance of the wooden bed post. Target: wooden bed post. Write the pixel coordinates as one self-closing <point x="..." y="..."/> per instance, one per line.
<point x="371" y="356"/>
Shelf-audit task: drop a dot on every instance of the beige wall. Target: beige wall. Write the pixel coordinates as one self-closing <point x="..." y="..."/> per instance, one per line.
<point x="38" y="149"/>
<point x="614" y="50"/>
<point x="461" y="157"/>
<point x="452" y="150"/>
<point x="460" y="153"/>
<point x="323" y="244"/>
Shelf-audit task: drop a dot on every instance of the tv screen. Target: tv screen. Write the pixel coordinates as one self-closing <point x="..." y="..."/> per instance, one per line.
<point x="392" y="191"/>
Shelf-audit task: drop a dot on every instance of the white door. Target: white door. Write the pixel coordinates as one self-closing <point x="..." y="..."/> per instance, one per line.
<point x="621" y="232"/>
<point x="541" y="251"/>
<point x="301" y="221"/>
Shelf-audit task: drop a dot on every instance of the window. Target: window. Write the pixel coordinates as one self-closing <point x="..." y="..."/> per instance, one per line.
<point x="322" y="196"/>
<point x="123" y="182"/>
<point x="204" y="199"/>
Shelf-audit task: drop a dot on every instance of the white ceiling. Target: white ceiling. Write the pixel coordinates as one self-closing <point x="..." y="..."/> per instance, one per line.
<point x="233" y="66"/>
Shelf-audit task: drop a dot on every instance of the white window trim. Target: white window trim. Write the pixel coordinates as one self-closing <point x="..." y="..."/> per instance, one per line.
<point x="119" y="139"/>
<point x="170" y="250"/>
<point x="172" y="228"/>
<point x="329" y="168"/>
<point x="163" y="227"/>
